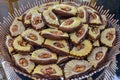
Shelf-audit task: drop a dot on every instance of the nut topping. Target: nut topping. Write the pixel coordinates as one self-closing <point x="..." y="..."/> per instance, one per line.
<point x="60" y="45"/>
<point x="95" y="30"/>
<point x="79" y="68"/>
<point x="99" y="55"/>
<point x="80" y="32"/>
<point x="65" y="8"/>
<point x="58" y="33"/>
<point x="48" y="71"/>
<point x="45" y="55"/>
<point x="68" y="22"/>
<point x="110" y="35"/>
<point x="81" y="14"/>
<point x="36" y="20"/>
<point x="32" y="37"/>
<point x="23" y="62"/>
<point x="10" y="42"/>
<point x="79" y="47"/>
<point x="22" y="43"/>
<point x="52" y="16"/>
<point x="14" y="28"/>
<point x="28" y="17"/>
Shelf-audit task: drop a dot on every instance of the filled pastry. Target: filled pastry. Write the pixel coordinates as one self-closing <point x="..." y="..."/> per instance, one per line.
<point x="23" y="62"/>
<point x="54" y="34"/>
<point x="97" y="55"/>
<point x="48" y="71"/>
<point x="108" y="36"/>
<point x="33" y="37"/>
<point x="60" y="47"/>
<point x="16" y="28"/>
<point x="43" y="56"/>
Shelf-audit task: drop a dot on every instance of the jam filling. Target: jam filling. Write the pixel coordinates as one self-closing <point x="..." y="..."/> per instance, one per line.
<point x="99" y="55"/>
<point x="52" y="16"/>
<point x="79" y="47"/>
<point x="58" y="44"/>
<point x="32" y="37"/>
<point x="80" y="32"/>
<point x="14" y="28"/>
<point x="48" y="71"/>
<point x="37" y="20"/>
<point x="57" y="33"/>
<point x="81" y="14"/>
<point x="110" y="35"/>
<point x="79" y="68"/>
<point x="23" y="62"/>
<point x="68" y="22"/>
<point x="45" y="55"/>
<point x="65" y="8"/>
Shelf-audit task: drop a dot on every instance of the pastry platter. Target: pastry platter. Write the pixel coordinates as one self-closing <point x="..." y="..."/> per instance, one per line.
<point x="69" y="40"/>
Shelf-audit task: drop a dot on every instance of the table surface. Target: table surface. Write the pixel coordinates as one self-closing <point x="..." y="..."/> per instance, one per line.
<point x="113" y="5"/>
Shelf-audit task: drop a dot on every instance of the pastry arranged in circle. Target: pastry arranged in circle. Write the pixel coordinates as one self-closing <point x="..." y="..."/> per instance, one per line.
<point x="94" y="33"/>
<point x="54" y="34"/>
<point x="108" y="36"/>
<point x="64" y="10"/>
<point x="33" y="37"/>
<point x="37" y="21"/>
<point x="60" y="47"/>
<point x="70" y="25"/>
<point x="82" y="14"/>
<point x="48" y="71"/>
<point x="82" y="49"/>
<point x="76" y="67"/>
<point x="9" y="43"/>
<point x="43" y="56"/>
<point x="97" y="55"/>
<point x="23" y="62"/>
<point x="20" y="45"/>
<point x="77" y="36"/>
<point x="51" y="19"/>
<point x="16" y="28"/>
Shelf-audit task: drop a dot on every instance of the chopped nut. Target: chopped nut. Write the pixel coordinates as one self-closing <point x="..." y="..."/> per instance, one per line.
<point x="22" y="43"/>
<point x="99" y="55"/>
<point x="23" y="62"/>
<point x="10" y="42"/>
<point x="65" y="8"/>
<point x="81" y="14"/>
<point x="52" y="16"/>
<point x="95" y="30"/>
<point x="110" y="35"/>
<point x="14" y="28"/>
<point x="28" y="17"/>
<point x="45" y="55"/>
<point x="37" y="20"/>
<point x="79" y="47"/>
<point x="80" y="32"/>
<point x="48" y="71"/>
<point x="68" y="22"/>
<point x="58" y="33"/>
<point x="79" y="68"/>
<point x="60" y="45"/>
<point x="33" y="37"/>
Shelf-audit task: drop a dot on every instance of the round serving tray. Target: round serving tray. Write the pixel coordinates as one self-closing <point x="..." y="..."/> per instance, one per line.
<point x="108" y="66"/>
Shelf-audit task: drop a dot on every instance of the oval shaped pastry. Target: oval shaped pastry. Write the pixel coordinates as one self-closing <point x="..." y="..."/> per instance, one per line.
<point x="108" y="36"/>
<point x="51" y="19"/>
<point x="97" y="56"/>
<point x="64" y="10"/>
<point x="82" y="14"/>
<point x="37" y="21"/>
<point x="94" y="33"/>
<point x="71" y="25"/>
<point x="20" y="45"/>
<point x="33" y="37"/>
<point x="16" y="28"/>
<point x="82" y="49"/>
<point x="54" y="34"/>
<point x="47" y="6"/>
<point x="77" y="36"/>
<point x="43" y="56"/>
<point x="28" y="15"/>
<point x="60" y="47"/>
<point x="76" y="67"/>
<point x="48" y="71"/>
<point x="24" y="63"/>
<point x="9" y="43"/>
